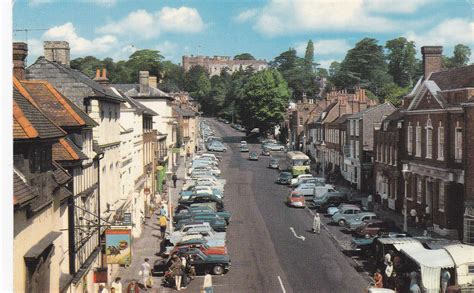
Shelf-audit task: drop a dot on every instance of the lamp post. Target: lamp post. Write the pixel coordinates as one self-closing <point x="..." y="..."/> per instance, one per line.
<point x="323" y="147"/>
<point x="406" y="176"/>
<point x="169" y="175"/>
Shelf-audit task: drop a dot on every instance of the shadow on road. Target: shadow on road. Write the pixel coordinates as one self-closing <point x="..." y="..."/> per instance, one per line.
<point x="233" y="139"/>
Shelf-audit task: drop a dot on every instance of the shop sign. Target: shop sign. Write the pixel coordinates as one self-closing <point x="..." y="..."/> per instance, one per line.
<point x="118" y="246"/>
<point x="100" y="275"/>
<point x="127" y="219"/>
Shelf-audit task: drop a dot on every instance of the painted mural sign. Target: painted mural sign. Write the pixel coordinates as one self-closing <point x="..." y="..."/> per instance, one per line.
<point x="118" y="246"/>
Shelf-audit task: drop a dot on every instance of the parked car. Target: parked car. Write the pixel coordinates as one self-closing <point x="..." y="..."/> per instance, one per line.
<point x="265" y="152"/>
<point x="329" y="199"/>
<point x="319" y="191"/>
<point x="284" y="178"/>
<point x="206" y="249"/>
<point x="273" y="146"/>
<point x="201" y="198"/>
<point x="296" y="199"/>
<point x="273" y="164"/>
<point x="353" y="224"/>
<point x="217" y="264"/>
<point x="204" y="230"/>
<point x="344" y="214"/>
<point x="217" y="148"/>
<point x="217" y="223"/>
<point x="189" y="212"/>
<point x="334" y="210"/>
<point x="298" y="178"/>
<point x="376" y="227"/>
<point x="253" y="156"/>
<point x="243" y="143"/>
<point x="244" y="149"/>
<point x="315" y="180"/>
<point x="306" y="189"/>
<point x="201" y="189"/>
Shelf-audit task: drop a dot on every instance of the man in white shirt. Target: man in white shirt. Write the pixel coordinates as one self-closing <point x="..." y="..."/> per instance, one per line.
<point x="117" y="285"/>
<point x="146" y="272"/>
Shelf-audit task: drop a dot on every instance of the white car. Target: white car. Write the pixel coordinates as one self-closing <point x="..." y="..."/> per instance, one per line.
<point x="319" y="191"/>
<point x="202" y="229"/>
<point x="305" y="188"/>
<point x="295" y="181"/>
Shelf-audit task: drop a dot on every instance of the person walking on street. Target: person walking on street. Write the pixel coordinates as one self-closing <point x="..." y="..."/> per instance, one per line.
<point x="414" y="287"/>
<point x="316" y="224"/>
<point x="117" y="285"/>
<point x="177" y="270"/>
<point x="388" y="275"/>
<point x="162" y="221"/>
<point x="163" y="211"/>
<point x="413" y="216"/>
<point x="133" y="287"/>
<point x="370" y="204"/>
<point x="377" y="200"/>
<point x="378" y="279"/>
<point x="146" y="274"/>
<point x="174" y="178"/>
<point x="102" y="289"/>
<point x="184" y="280"/>
<point x="445" y="277"/>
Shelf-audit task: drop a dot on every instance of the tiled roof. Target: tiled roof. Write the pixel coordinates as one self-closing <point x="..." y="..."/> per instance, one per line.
<point x="61" y="176"/>
<point x="98" y="89"/>
<point x="22" y="192"/>
<point x="456" y="78"/>
<point x="326" y="110"/>
<point x="134" y="103"/>
<point x="133" y="90"/>
<point x="64" y="112"/>
<point x="184" y="111"/>
<point x="66" y="150"/>
<point x="341" y="119"/>
<point x="29" y="122"/>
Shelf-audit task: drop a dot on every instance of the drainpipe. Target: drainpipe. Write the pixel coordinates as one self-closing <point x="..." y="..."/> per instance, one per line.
<point x="99" y="157"/>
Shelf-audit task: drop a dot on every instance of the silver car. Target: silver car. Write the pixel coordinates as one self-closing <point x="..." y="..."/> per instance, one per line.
<point x="346" y="213"/>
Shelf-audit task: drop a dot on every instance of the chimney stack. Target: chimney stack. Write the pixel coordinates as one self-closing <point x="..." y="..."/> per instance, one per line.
<point x="57" y="51"/>
<point x="102" y="78"/>
<point x="97" y="74"/>
<point x="20" y="51"/>
<point x="431" y="60"/>
<point x="152" y="82"/>
<point x="144" y="79"/>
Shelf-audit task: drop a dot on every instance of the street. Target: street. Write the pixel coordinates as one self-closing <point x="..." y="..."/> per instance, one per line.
<point x="267" y="255"/>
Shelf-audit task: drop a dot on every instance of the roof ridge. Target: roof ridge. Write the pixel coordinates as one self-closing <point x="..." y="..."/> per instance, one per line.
<point x="25" y="124"/>
<point x="68" y="148"/>
<point x="23" y="91"/>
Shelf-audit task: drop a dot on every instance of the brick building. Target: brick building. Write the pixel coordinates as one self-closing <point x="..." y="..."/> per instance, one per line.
<point x="388" y="148"/>
<point x="214" y="65"/>
<point x="436" y="125"/>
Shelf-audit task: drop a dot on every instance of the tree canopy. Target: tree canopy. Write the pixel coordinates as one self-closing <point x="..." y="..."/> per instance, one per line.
<point x="244" y="56"/>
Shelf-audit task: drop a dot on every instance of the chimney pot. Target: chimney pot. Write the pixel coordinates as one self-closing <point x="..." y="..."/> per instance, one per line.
<point x="431" y="59"/>
<point x="20" y="52"/>
<point x="57" y="51"/>
<point x="152" y="82"/>
<point x="97" y="74"/>
<point x="104" y="73"/>
<point x="144" y="79"/>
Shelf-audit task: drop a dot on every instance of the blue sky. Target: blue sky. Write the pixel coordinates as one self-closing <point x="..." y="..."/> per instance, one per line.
<point x="115" y="28"/>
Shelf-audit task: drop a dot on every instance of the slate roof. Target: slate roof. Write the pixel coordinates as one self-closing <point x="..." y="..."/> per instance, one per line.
<point x="22" y="192"/>
<point x="361" y="113"/>
<point x="66" y="150"/>
<point x="455" y="78"/>
<point x="133" y="90"/>
<point x="61" y="176"/>
<point x="134" y="103"/>
<point x="184" y="111"/>
<point x="29" y="122"/>
<point x="64" y="112"/>
<point x="98" y="89"/>
<point x="341" y="119"/>
<point x="326" y="110"/>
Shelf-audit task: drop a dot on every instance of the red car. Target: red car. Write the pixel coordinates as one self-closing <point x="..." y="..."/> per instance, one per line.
<point x="206" y="249"/>
<point x="296" y="199"/>
<point x="376" y="227"/>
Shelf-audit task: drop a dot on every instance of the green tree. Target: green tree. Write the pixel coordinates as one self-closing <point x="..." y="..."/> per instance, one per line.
<point x="146" y="59"/>
<point x="461" y="56"/>
<point x="334" y="68"/>
<point x="244" y="56"/>
<point x="401" y="61"/>
<point x="172" y="77"/>
<point x="309" y="56"/>
<point x="265" y="99"/>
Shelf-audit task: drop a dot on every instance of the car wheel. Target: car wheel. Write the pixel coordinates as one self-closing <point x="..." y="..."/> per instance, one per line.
<point x="342" y="222"/>
<point x="218" y="270"/>
<point x="224" y="150"/>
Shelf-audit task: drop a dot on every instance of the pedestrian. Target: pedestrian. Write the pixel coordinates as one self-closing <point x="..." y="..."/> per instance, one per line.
<point x="413" y="216"/>
<point x="117" y="285"/>
<point x="377" y="201"/>
<point x="370" y="203"/>
<point x="102" y="289"/>
<point x="174" y="178"/>
<point x="316" y="224"/>
<point x="378" y="279"/>
<point x="177" y="270"/>
<point x="384" y="201"/>
<point x="414" y="288"/>
<point x="133" y="287"/>
<point x="145" y="272"/>
<point x="445" y="277"/>
<point x="163" y="211"/>
<point x="388" y="275"/>
<point x="184" y="264"/>
<point x="162" y="221"/>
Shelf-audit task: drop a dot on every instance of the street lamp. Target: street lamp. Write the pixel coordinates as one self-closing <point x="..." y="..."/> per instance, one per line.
<point x="406" y="176"/>
<point x="323" y="147"/>
<point x="169" y="176"/>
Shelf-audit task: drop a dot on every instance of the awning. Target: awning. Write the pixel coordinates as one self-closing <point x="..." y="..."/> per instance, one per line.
<point x="431" y="262"/>
<point x="41" y="246"/>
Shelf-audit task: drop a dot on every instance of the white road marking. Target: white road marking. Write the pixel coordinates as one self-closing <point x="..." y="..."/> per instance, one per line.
<point x="281" y="285"/>
<point x="294" y="233"/>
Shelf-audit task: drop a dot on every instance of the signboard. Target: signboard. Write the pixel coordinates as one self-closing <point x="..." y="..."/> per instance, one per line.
<point x="127" y="219"/>
<point x="100" y="275"/>
<point x="118" y="246"/>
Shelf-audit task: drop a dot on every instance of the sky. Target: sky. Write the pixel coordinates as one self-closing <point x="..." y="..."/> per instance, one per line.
<point x="116" y="28"/>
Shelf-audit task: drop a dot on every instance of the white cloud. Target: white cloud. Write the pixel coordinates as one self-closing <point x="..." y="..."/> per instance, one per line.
<point x="246" y="15"/>
<point x="124" y="52"/>
<point x="144" y="24"/>
<point x="394" y="6"/>
<point x="326" y="63"/>
<point x="447" y="33"/>
<point x="182" y="20"/>
<point x="325" y="47"/>
<point x="168" y="49"/>
<point x="105" y="3"/>
<point x="78" y="45"/>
